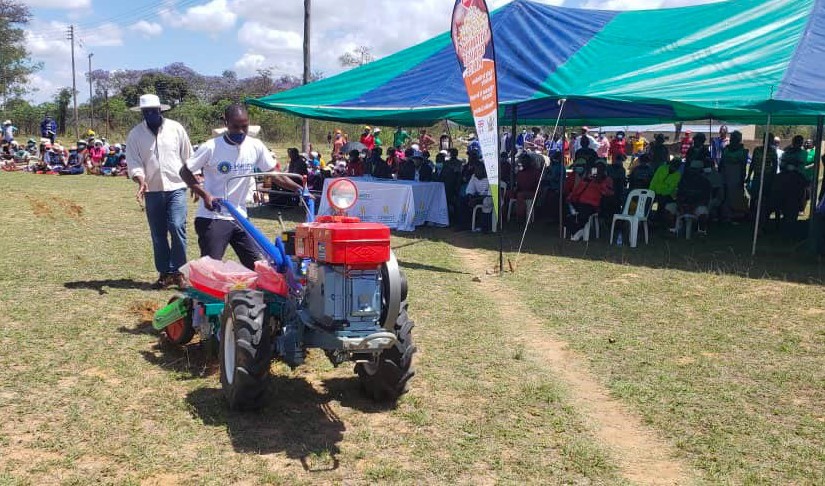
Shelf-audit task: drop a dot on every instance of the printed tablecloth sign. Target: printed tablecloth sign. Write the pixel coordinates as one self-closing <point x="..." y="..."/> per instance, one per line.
<point x="401" y="205"/>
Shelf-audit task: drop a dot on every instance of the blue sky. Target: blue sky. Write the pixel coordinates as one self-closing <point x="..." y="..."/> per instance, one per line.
<point x="243" y="35"/>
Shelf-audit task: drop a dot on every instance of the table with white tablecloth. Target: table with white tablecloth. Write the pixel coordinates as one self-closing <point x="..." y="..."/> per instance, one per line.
<point x="401" y="205"/>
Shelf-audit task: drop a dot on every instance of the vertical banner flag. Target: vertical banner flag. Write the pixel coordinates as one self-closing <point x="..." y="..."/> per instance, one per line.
<point x="472" y="36"/>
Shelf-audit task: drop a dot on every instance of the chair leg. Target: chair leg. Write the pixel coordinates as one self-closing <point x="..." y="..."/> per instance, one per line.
<point x="473" y="224"/>
<point x="495" y="222"/>
<point x="598" y="225"/>
<point x="688" y="227"/>
<point x="612" y="229"/>
<point x="634" y="233"/>
<point x="647" y="240"/>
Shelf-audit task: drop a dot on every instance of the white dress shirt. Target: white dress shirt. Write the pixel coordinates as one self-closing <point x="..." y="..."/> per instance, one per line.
<point x="158" y="159"/>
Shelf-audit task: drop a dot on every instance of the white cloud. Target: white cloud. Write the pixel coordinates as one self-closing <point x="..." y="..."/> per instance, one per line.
<point x="147" y="29"/>
<point x="47" y="44"/>
<point x="249" y="64"/>
<point x="104" y="35"/>
<point x="61" y="4"/>
<point x="210" y="17"/>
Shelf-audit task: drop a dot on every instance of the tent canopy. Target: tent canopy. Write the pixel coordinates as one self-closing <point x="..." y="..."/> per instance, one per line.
<point x="734" y="60"/>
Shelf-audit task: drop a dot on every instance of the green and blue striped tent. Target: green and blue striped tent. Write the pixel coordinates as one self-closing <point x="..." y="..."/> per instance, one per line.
<point x="735" y="60"/>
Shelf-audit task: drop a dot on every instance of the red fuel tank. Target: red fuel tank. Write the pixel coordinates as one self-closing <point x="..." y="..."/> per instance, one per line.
<point x="343" y="240"/>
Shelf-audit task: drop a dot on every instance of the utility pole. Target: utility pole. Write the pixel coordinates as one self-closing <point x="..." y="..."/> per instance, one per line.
<point x="74" y="85"/>
<point x="106" y="99"/>
<point x="91" y="103"/>
<point x="307" y="7"/>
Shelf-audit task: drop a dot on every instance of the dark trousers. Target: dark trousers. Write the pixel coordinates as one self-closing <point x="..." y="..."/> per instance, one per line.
<point x="576" y="222"/>
<point x="214" y="235"/>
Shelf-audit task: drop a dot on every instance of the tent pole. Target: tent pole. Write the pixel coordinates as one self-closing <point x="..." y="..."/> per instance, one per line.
<point x="561" y="182"/>
<point x="761" y="186"/>
<point x="509" y="187"/>
<point x="812" y="224"/>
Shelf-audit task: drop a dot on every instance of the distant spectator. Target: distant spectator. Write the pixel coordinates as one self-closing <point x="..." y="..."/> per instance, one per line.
<point x="478" y="192"/>
<point x="297" y="163"/>
<point x="8" y="131"/>
<point x="659" y="153"/>
<point x="788" y="197"/>
<point x="718" y="144"/>
<point x="694" y="194"/>
<point x="527" y="181"/>
<point x="367" y="139"/>
<point x="355" y="166"/>
<point x="642" y="174"/>
<point x="425" y="141"/>
<point x="48" y="128"/>
<point x="732" y="167"/>
<point x="400" y="138"/>
<point x="686" y="143"/>
<point x="586" y="152"/>
<point x="754" y="178"/>
<point x="665" y="183"/>
<point x="586" y="199"/>
<point x="618" y="147"/>
<point x="603" y="149"/>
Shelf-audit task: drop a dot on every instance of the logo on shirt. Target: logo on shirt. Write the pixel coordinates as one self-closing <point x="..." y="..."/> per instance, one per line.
<point x="224" y="167"/>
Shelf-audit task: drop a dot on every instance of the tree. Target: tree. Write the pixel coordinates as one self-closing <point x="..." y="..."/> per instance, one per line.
<point x="357" y="57"/>
<point x="15" y="65"/>
<point x="62" y="100"/>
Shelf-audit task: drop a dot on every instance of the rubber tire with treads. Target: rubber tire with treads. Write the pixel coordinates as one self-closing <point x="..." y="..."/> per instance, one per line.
<point x="182" y="330"/>
<point x="389" y="379"/>
<point x="253" y="350"/>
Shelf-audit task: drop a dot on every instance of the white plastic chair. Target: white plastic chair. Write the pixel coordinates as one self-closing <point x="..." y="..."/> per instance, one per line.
<point x="686" y="221"/>
<point x="593" y="224"/>
<point x="529" y="203"/>
<point x="639" y="216"/>
<point x="480" y="207"/>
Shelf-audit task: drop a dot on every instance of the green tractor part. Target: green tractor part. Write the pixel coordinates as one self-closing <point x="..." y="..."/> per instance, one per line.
<point x="174" y="311"/>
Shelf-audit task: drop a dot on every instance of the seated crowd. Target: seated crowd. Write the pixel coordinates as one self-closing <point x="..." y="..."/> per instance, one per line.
<point x="90" y="156"/>
<point x="704" y="182"/>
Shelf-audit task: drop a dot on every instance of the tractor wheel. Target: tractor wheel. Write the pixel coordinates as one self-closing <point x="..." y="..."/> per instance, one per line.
<point x="246" y="349"/>
<point x="387" y="380"/>
<point x="181" y="331"/>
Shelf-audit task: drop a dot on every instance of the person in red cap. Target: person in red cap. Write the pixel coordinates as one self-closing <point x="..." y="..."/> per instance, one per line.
<point x="687" y="143"/>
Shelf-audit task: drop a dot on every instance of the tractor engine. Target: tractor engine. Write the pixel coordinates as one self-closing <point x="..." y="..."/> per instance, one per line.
<point x="344" y="276"/>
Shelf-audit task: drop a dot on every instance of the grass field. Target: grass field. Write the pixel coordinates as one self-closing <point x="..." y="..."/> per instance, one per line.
<point x="721" y="357"/>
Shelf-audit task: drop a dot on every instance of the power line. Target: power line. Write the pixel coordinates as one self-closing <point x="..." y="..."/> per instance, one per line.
<point x="130" y="16"/>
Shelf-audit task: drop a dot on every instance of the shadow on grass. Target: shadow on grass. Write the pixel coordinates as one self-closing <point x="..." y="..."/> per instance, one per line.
<point x="194" y="360"/>
<point x="428" y="268"/>
<point x="725" y="251"/>
<point x="349" y="393"/>
<point x="100" y="285"/>
<point x="296" y="420"/>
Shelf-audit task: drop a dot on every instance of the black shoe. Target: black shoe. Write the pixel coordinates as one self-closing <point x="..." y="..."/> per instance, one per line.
<point x="161" y="283"/>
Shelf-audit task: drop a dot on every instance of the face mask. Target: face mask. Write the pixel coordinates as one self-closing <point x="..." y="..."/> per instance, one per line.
<point x="236" y="138"/>
<point x="439" y="166"/>
<point x="579" y="170"/>
<point x="620" y="137"/>
<point x="153" y="119"/>
<point x="707" y="170"/>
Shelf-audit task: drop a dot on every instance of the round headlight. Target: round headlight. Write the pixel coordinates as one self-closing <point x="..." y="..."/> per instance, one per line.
<point x="342" y="194"/>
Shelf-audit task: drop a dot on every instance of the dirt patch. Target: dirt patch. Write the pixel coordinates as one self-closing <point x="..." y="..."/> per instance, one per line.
<point x="71" y="208"/>
<point x="40" y="208"/>
<point x="645" y="458"/>
<point x="144" y="309"/>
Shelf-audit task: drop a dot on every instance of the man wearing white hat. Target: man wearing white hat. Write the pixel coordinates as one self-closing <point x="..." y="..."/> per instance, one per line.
<point x="158" y="148"/>
<point x="8" y="131"/>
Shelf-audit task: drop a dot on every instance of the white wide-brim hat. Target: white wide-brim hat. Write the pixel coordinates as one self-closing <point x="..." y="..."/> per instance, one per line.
<point x="150" y="101"/>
